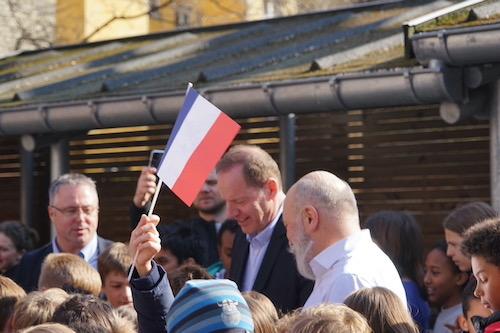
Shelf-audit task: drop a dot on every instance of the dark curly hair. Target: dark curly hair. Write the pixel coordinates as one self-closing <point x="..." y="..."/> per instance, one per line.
<point x="483" y="240"/>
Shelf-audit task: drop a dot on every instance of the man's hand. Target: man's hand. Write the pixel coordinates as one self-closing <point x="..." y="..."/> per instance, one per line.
<point x="146" y="240"/>
<point x="146" y="186"/>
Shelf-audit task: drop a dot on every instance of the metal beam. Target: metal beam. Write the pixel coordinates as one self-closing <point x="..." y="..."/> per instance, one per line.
<point x="287" y="150"/>
<point x="27" y="152"/>
<point x="495" y="145"/>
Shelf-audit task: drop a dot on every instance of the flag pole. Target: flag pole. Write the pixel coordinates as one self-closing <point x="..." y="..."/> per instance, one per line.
<point x="150" y="212"/>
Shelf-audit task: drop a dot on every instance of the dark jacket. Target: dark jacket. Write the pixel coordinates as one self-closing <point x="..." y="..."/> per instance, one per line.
<point x="153" y="298"/>
<point x="204" y="230"/>
<point x="277" y="277"/>
<point x="31" y="264"/>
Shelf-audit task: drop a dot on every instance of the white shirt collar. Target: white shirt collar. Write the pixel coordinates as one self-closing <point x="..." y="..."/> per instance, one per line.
<point x="88" y="251"/>
<point x="327" y="258"/>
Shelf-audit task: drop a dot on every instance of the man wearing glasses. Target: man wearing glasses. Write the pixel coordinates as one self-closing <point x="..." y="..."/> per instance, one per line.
<point x="73" y="209"/>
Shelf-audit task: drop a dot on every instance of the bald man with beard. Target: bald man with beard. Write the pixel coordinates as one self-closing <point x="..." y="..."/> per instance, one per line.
<point x="322" y="226"/>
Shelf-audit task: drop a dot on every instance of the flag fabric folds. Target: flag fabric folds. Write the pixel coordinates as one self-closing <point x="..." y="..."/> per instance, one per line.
<point x="200" y="136"/>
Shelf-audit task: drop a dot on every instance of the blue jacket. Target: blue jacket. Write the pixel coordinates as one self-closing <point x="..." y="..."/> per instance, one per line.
<point x="153" y="298"/>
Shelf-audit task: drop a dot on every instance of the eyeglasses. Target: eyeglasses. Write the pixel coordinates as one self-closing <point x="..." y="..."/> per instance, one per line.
<point x="74" y="211"/>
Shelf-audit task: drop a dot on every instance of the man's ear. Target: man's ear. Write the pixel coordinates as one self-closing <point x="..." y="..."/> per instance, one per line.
<point x="51" y="212"/>
<point x="310" y="219"/>
<point x="271" y="188"/>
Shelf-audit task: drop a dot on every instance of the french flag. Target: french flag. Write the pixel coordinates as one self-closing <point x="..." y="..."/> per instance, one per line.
<point x="200" y="136"/>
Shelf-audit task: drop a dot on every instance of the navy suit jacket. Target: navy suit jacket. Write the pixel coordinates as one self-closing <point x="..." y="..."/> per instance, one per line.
<point x="277" y="277"/>
<point x="30" y="266"/>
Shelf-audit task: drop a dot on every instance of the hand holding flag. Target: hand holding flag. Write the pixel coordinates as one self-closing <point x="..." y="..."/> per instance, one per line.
<point x="200" y="136"/>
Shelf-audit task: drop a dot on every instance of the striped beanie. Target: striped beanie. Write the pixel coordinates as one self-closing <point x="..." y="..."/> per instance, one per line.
<point x="209" y="306"/>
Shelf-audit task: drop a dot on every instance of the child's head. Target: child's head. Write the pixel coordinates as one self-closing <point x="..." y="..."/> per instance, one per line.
<point x="327" y="318"/>
<point x="482" y="244"/>
<point x="48" y="328"/>
<point x="443" y="280"/>
<point x="10" y="294"/>
<point x="225" y="240"/>
<point x="37" y="308"/>
<point x="471" y="306"/>
<point x="182" y="246"/>
<point x="264" y="313"/>
<point x="84" y="313"/>
<point x="383" y="309"/>
<point x="113" y="265"/>
<point x="70" y="273"/>
<point x="184" y="273"/>
<point x="455" y="225"/>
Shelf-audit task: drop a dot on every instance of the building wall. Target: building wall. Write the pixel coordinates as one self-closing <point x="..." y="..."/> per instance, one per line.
<point x="35" y="19"/>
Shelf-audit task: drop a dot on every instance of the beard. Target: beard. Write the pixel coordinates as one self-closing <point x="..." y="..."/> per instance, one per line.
<point x="215" y="209"/>
<point x="301" y="252"/>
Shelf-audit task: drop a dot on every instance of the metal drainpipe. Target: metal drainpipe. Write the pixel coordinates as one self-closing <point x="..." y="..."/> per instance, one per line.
<point x="27" y="150"/>
<point x="287" y="149"/>
<point x="59" y="165"/>
<point x="494" y="145"/>
<point x="287" y="141"/>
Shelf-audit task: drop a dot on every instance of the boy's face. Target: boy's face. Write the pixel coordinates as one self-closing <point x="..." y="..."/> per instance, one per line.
<point x="488" y="282"/>
<point x="475" y="309"/>
<point x="116" y="288"/>
<point x="167" y="260"/>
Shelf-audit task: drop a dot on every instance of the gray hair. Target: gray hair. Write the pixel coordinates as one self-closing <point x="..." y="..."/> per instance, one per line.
<point x="325" y="190"/>
<point x="73" y="179"/>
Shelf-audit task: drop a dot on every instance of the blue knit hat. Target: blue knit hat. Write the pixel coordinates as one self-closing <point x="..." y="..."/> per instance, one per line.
<point x="209" y="306"/>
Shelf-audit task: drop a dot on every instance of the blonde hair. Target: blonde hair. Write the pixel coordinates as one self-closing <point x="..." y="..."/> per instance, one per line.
<point x="69" y="272"/>
<point x="283" y="324"/>
<point x="37" y="308"/>
<point x="264" y="313"/>
<point x="115" y="258"/>
<point x="48" y="328"/>
<point x="327" y="318"/>
<point x="10" y="294"/>
<point x="383" y="309"/>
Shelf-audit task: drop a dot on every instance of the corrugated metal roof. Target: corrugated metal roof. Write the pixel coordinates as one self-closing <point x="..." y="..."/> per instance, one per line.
<point x="319" y="44"/>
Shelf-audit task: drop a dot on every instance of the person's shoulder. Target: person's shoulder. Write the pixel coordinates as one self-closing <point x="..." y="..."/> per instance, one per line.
<point x="35" y="257"/>
<point x="104" y="243"/>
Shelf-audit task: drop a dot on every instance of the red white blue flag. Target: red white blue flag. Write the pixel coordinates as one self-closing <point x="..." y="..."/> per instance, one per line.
<point x="200" y="136"/>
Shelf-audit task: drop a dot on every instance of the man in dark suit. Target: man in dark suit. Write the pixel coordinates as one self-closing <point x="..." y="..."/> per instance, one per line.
<point x="73" y="210"/>
<point x="250" y="182"/>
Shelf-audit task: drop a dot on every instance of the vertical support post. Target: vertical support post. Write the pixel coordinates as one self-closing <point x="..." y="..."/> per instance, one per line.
<point x="495" y="145"/>
<point x="59" y="164"/>
<point x="27" y="150"/>
<point x="287" y="149"/>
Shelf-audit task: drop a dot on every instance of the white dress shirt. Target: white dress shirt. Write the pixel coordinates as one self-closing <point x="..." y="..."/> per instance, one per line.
<point x="89" y="253"/>
<point x="257" y="250"/>
<point x="351" y="264"/>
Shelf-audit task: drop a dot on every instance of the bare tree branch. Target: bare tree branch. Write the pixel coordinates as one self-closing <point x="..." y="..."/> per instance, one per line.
<point x="151" y="10"/>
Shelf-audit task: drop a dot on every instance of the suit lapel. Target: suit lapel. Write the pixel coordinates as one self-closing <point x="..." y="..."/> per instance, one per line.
<point x="277" y="242"/>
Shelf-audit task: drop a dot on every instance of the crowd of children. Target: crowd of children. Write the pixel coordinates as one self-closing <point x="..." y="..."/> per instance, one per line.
<point x="459" y="279"/>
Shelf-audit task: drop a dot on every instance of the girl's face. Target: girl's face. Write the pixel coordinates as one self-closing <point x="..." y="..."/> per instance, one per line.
<point x="442" y="282"/>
